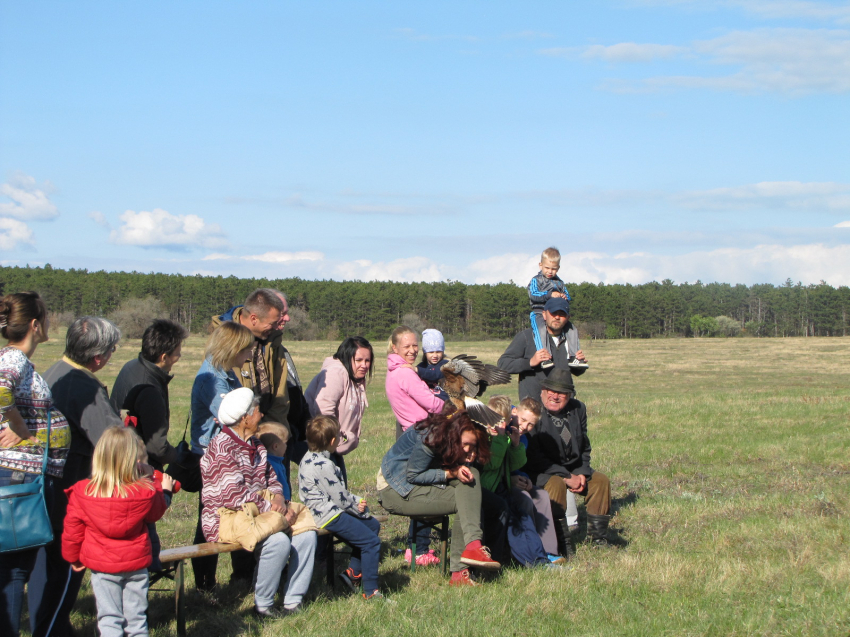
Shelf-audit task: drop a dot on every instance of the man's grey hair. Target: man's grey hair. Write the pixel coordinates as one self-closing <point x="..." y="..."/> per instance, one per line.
<point x="281" y="295"/>
<point x="262" y="300"/>
<point x="90" y="336"/>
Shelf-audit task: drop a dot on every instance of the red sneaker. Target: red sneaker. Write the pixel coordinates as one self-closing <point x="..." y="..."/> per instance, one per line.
<point x="462" y="578"/>
<point x="480" y="558"/>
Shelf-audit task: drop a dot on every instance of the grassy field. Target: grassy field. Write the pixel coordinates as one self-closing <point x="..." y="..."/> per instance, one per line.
<point x="731" y="476"/>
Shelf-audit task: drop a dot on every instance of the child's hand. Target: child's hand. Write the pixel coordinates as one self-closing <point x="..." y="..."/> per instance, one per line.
<point x="361" y="506"/>
<point x="558" y="295"/>
<point x="514" y="434"/>
<point x="167" y="482"/>
<point x="78" y="567"/>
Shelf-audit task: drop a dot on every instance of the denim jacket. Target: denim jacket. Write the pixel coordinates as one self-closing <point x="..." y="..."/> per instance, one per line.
<point x="410" y="463"/>
<point x="210" y="386"/>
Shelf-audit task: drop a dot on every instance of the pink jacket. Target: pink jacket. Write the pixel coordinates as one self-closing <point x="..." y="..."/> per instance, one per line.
<point x="333" y="393"/>
<point x="409" y="395"/>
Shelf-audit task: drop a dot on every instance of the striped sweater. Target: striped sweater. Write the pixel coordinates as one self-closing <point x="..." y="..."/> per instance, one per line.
<point x="234" y="472"/>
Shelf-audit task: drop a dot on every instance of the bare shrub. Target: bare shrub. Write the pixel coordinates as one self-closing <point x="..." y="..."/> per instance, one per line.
<point x="300" y="327"/>
<point x="61" y="319"/>
<point x="134" y="315"/>
<point x="413" y="322"/>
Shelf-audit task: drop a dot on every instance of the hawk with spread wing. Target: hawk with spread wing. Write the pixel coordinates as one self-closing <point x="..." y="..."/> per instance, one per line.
<point x="465" y="378"/>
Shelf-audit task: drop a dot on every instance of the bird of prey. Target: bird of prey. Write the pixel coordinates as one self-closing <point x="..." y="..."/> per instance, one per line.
<point x="464" y="379"/>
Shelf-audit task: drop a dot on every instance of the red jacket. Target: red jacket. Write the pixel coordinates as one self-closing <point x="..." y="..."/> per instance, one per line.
<point x="110" y="534"/>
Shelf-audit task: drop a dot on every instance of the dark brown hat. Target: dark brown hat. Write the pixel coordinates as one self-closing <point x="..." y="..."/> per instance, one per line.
<point x="559" y="380"/>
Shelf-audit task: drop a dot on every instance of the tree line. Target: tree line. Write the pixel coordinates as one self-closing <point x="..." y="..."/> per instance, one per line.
<point x="334" y="309"/>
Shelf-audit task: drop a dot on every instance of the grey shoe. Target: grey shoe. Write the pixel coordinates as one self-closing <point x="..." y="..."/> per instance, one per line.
<point x="269" y="612"/>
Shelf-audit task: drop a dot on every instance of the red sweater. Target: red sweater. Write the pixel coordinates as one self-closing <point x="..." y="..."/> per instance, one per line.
<point x="109" y="534"/>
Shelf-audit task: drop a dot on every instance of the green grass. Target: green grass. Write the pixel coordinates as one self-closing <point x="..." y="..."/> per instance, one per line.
<point x="731" y="476"/>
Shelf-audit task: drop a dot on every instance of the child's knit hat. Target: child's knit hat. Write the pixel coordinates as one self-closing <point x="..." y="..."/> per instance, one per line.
<point x="433" y="341"/>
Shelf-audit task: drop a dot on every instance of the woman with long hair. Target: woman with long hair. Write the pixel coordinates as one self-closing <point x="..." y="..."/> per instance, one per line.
<point x="429" y="471"/>
<point x="25" y="400"/>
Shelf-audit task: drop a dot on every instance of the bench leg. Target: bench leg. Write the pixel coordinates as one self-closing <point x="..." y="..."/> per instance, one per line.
<point x="444" y="541"/>
<point x="414" y="530"/>
<point x="330" y="563"/>
<point x="180" y="599"/>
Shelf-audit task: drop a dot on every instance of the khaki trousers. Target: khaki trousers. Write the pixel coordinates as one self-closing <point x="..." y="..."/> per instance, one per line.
<point x="597" y="495"/>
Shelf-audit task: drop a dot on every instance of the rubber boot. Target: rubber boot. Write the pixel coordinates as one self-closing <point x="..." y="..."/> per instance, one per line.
<point x="597" y="526"/>
<point x="566" y="547"/>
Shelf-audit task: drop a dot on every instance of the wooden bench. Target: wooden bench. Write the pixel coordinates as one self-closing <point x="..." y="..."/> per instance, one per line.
<point x="330" y="563"/>
<point x="173" y="569"/>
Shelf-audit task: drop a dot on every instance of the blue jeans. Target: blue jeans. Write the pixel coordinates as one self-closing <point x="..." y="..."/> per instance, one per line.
<point x="362" y="535"/>
<point x="16" y="568"/>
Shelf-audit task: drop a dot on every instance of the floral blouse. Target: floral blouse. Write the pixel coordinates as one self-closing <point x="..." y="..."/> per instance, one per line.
<point x="22" y="387"/>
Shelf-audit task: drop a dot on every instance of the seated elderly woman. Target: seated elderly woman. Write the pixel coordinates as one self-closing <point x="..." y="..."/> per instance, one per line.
<point x="428" y="472"/>
<point x="235" y="472"/>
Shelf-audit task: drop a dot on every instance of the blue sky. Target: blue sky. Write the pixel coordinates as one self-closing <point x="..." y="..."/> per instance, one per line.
<point x="429" y="141"/>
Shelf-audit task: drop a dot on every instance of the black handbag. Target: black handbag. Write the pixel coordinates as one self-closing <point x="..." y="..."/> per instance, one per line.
<point x="24" y="522"/>
<point x="186" y="468"/>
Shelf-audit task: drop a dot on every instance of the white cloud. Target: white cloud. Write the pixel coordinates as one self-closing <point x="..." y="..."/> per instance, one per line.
<point x="411" y="269"/>
<point x="29" y="201"/>
<point x="776" y="9"/>
<point x="100" y="219"/>
<point x="764" y="263"/>
<point x="767" y="60"/>
<point x="632" y="52"/>
<point x="770" y="194"/>
<point x="13" y="232"/>
<point x="843" y="224"/>
<point x="162" y="229"/>
<point x="269" y="257"/>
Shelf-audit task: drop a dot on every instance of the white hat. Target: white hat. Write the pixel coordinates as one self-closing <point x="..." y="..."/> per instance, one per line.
<point x="235" y="405"/>
<point x="433" y="341"/>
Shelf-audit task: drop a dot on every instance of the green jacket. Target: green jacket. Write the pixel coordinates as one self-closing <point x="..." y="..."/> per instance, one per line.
<point x="504" y="459"/>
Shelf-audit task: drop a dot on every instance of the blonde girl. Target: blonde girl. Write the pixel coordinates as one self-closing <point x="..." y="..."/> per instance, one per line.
<point x="106" y="531"/>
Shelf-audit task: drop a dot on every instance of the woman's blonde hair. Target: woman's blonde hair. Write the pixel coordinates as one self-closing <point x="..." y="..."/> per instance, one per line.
<point x="395" y="337"/>
<point x="115" y="466"/>
<point x="226" y="342"/>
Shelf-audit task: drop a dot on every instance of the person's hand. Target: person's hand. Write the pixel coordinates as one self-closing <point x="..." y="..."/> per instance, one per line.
<point x="462" y="473"/>
<point x="290" y="516"/>
<point x="576" y="483"/>
<point x="278" y="504"/>
<point x="78" y="567"/>
<point x="539" y="356"/>
<point x="580" y="356"/>
<point x="410" y="366"/>
<point x="361" y="506"/>
<point x="521" y="482"/>
<point x="558" y="295"/>
<point x="9" y="438"/>
<point x="167" y="482"/>
<point x="514" y="434"/>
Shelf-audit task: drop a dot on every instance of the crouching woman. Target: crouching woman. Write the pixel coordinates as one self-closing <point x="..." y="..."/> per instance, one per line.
<point x="428" y="472"/>
<point x="235" y="472"/>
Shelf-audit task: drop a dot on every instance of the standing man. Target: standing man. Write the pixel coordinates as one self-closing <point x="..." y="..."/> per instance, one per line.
<point x="142" y="388"/>
<point x="84" y="400"/>
<point x="524" y="358"/>
<point x="559" y="458"/>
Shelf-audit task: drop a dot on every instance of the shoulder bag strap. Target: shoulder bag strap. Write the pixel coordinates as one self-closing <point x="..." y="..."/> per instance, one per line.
<point x="47" y="445"/>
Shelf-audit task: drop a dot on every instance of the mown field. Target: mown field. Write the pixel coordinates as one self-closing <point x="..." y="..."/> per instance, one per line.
<point x="731" y="477"/>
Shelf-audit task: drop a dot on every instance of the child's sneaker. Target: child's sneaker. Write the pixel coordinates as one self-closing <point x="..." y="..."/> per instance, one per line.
<point x="560" y="560"/>
<point x="479" y="557"/>
<point x="378" y="596"/>
<point x="351" y="580"/>
<point x="462" y="578"/>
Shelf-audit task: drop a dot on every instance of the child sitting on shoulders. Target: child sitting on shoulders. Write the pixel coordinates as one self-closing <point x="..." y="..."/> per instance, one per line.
<point x="323" y="491"/>
<point x="106" y="530"/>
<point x="275" y="438"/>
<point x="544" y="286"/>
<point x="433" y="359"/>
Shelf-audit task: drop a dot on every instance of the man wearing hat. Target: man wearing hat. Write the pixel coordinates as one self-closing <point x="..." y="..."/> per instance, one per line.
<point x="559" y="458"/>
<point x="562" y="350"/>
